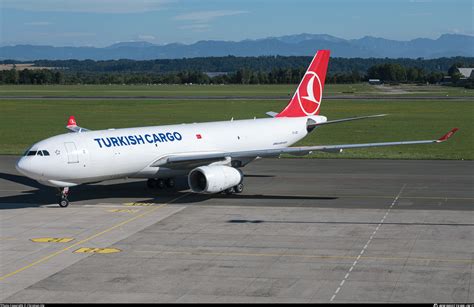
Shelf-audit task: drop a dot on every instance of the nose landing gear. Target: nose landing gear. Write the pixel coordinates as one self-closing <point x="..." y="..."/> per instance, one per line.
<point x="63" y="194"/>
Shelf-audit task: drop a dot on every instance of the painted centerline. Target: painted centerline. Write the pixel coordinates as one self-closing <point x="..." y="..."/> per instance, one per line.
<point x="368" y="242"/>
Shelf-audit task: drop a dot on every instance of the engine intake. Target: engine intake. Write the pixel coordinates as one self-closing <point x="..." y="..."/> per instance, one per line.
<point x="214" y="178"/>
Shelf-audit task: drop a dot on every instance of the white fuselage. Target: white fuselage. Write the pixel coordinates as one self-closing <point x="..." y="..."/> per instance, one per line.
<point x="92" y="156"/>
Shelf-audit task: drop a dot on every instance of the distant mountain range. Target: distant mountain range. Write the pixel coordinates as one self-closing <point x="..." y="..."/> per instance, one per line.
<point x="447" y="45"/>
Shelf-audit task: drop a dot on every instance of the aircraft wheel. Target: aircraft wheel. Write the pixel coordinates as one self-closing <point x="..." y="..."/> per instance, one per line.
<point x="160" y="183"/>
<point x="64" y="202"/>
<point x="151" y="183"/>
<point x="170" y="183"/>
<point x="230" y="191"/>
<point x="239" y="188"/>
<point x="63" y="193"/>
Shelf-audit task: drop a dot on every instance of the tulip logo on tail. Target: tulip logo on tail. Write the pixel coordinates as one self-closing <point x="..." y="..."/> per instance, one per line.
<point x="309" y="93"/>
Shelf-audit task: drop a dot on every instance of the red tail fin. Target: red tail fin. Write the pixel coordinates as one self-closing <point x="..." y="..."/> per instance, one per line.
<point x="307" y="98"/>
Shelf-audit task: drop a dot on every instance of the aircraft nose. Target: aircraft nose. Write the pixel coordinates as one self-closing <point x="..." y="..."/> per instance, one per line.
<point x="24" y="167"/>
<point x="20" y="165"/>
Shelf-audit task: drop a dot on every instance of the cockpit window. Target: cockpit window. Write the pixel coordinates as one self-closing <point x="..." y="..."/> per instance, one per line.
<point x="37" y="153"/>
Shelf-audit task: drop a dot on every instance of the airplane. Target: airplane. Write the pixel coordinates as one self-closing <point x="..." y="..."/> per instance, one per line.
<point x="210" y="154"/>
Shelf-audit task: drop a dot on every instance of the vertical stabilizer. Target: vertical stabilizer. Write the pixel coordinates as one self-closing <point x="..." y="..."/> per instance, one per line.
<point x="307" y="98"/>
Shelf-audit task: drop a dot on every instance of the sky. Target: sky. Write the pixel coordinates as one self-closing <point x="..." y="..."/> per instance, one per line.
<point x="100" y="23"/>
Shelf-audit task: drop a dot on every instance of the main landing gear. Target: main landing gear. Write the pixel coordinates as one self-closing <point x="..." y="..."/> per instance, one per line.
<point x="63" y="194"/>
<point x="235" y="189"/>
<point x="159" y="183"/>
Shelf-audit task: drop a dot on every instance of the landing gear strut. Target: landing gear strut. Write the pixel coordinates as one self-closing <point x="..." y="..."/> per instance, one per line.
<point x="63" y="194"/>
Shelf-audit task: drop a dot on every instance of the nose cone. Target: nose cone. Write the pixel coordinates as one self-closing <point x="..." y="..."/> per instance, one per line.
<point x="21" y="165"/>
<point x="24" y="167"/>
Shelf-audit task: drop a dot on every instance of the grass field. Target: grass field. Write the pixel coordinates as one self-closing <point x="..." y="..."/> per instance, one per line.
<point x="283" y="90"/>
<point x="23" y="122"/>
<point x="167" y="90"/>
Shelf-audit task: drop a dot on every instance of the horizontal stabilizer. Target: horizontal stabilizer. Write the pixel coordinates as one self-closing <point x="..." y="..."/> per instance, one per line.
<point x="312" y="125"/>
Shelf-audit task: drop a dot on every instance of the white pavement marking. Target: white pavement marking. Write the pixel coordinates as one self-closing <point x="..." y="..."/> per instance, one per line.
<point x="368" y="243"/>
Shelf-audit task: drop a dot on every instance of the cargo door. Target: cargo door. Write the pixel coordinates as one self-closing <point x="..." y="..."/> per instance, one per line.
<point x="72" y="155"/>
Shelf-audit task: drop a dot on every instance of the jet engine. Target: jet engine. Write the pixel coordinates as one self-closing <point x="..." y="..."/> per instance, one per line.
<point x="214" y="178"/>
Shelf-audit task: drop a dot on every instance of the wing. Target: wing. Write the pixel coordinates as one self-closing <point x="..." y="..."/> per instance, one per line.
<point x="198" y="159"/>
<point x="71" y="125"/>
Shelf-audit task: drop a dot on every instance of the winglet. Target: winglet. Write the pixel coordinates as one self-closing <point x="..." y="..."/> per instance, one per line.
<point x="72" y="125"/>
<point x="71" y="122"/>
<point x="447" y="135"/>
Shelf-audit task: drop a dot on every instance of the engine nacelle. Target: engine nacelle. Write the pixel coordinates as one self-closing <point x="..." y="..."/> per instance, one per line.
<point x="214" y="178"/>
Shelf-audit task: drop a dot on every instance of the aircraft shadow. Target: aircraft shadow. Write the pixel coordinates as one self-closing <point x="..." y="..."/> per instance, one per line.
<point x="21" y="180"/>
<point x="40" y="195"/>
<point x="258" y="176"/>
<point x="195" y="198"/>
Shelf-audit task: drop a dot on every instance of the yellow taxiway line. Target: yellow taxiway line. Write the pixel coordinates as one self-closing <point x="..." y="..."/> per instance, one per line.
<point x="44" y="259"/>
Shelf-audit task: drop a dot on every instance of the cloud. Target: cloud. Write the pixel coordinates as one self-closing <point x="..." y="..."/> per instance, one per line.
<point x="86" y="6"/>
<point x="38" y="23"/>
<point x="459" y="31"/>
<point x="66" y="34"/>
<point x="206" y="16"/>
<point x="146" y="37"/>
<point x="196" y="27"/>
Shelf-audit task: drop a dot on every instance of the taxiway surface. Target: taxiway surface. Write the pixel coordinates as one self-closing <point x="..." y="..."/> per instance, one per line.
<point x="302" y="231"/>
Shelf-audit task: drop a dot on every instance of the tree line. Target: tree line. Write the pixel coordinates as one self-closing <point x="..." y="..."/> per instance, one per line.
<point x="233" y="63"/>
<point x="388" y="71"/>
